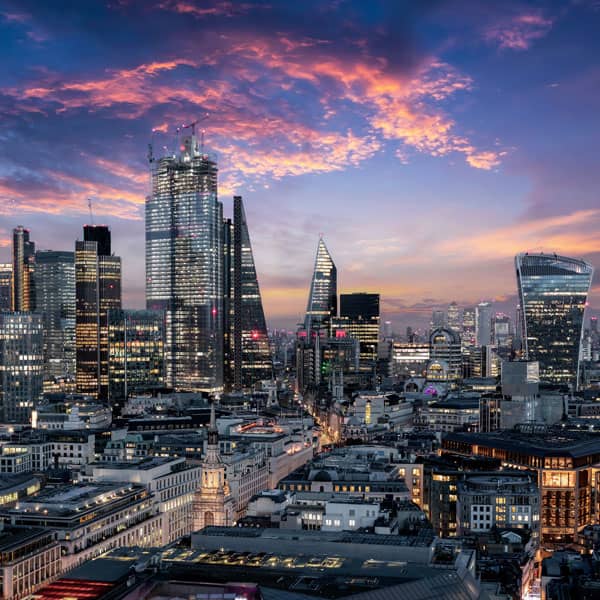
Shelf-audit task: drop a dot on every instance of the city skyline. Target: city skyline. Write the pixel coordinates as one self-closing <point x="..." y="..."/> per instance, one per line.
<point x="451" y="141"/>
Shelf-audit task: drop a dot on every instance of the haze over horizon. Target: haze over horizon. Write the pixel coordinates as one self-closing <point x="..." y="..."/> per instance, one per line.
<point x="419" y="138"/>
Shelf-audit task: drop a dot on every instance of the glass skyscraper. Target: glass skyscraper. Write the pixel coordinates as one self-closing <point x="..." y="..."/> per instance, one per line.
<point x="184" y="263"/>
<point x="246" y="339"/>
<point x="21" y="364"/>
<point x="483" y="324"/>
<point x="359" y="319"/>
<point x="322" y="300"/>
<point x="5" y="286"/>
<point x="553" y="293"/>
<point x="54" y="278"/>
<point x="23" y="295"/>
<point x="97" y="290"/>
<point x="135" y="352"/>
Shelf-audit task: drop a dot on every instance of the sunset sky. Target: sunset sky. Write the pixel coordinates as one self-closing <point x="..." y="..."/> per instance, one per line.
<point x="428" y="141"/>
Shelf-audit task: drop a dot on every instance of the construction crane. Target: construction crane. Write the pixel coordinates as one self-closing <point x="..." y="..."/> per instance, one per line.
<point x="91" y="212"/>
<point x="192" y="126"/>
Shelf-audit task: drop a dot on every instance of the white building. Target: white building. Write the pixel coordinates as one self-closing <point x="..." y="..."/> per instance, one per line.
<point x="171" y="482"/>
<point x="349" y="515"/>
<point x="90" y="519"/>
<point x="72" y="417"/>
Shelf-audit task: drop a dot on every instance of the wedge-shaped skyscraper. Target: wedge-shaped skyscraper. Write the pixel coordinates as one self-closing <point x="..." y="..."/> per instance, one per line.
<point x="247" y="351"/>
<point x="553" y="292"/>
<point x="322" y="300"/>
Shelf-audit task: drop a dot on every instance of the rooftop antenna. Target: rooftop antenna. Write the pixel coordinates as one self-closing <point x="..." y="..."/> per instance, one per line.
<point x="90" y="209"/>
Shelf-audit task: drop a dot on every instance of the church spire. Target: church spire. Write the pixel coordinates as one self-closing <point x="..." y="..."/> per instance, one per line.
<point x="213" y="432"/>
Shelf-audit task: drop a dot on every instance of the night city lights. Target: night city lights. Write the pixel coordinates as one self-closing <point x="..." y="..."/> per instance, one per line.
<point x="299" y="300"/>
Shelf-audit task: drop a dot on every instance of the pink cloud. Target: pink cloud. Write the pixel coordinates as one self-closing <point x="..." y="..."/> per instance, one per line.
<point x="519" y="32"/>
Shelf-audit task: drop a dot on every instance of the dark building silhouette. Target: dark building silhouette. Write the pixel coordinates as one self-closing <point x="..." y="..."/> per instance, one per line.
<point x="97" y="290"/>
<point x="23" y="255"/>
<point x="247" y="352"/>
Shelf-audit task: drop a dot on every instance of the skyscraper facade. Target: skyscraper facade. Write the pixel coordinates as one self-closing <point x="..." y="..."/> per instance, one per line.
<point x="135" y="352"/>
<point x="54" y="278"/>
<point x="23" y="254"/>
<point x="483" y="324"/>
<point x="246" y="339"/>
<point x="438" y="319"/>
<point x="5" y="286"/>
<point x="359" y="319"/>
<point x="322" y="299"/>
<point x="553" y="293"/>
<point x="21" y="365"/>
<point x="468" y="337"/>
<point x="97" y="290"/>
<point x="184" y="263"/>
<point x="453" y="317"/>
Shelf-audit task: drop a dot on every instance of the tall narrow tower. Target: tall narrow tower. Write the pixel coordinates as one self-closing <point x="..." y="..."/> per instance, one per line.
<point x="213" y="503"/>
<point x="249" y="352"/>
<point x="322" y="300"/>
<point x="54" y="279"/>
<point x="97" y="290"/>
<point x="22" y="296"/>
<point x="184" y="262"/>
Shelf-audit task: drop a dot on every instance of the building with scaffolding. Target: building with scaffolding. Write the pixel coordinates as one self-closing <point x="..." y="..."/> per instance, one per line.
<point x="184" y="264"/>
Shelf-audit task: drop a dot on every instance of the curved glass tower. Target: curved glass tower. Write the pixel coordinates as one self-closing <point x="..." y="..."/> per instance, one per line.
<point x="553" y="292"/>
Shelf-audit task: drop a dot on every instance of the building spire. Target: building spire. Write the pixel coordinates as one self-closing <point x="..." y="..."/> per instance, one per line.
<point x="213" y="419"/>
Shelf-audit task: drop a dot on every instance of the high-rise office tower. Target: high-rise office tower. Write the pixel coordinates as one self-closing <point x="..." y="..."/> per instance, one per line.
<point x="5" y="286"/>
<point x="483" y="324"/>
<point x="453" y="317"/>
<point x="322" y="300"/>
<point x="553" y="293"/>
<point x="359" y="319"/>
<point x="247" y="352"/>
<point x="501" y="331"/>
<point x="594" y="325"/>
<point x="54" y="278"/>
<point x="438" y="319"/>
<point x="21" y="365"/>
<point x="184" y="265"/>
<point x="23" y="253"/>
<point x="135" y="352"/>
<point x="468" y="336"/>
<point x="97" y="290"/>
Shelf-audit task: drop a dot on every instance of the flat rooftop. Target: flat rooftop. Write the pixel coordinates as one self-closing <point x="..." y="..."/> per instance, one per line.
<point x="72" y="499"/>
<point x="556" y="441"/>
<point x="13" y="537"/>
<point x="423" y="539"/>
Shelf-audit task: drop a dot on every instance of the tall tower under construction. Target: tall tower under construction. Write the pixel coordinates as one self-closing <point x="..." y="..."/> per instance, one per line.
<point x="184" y="263"/>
